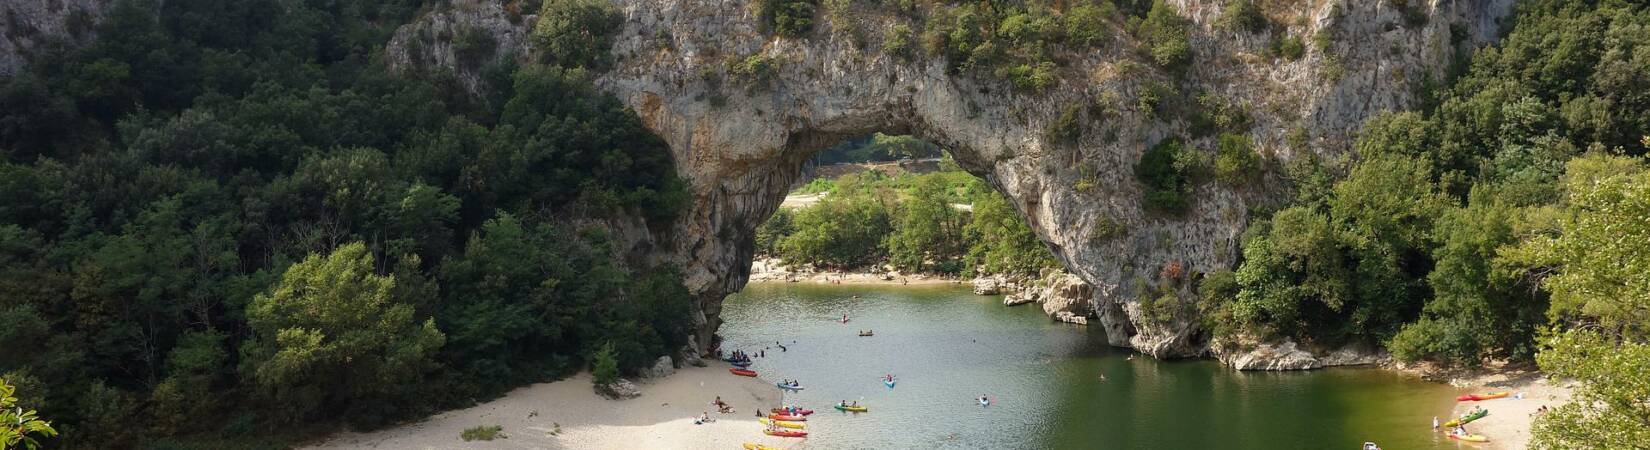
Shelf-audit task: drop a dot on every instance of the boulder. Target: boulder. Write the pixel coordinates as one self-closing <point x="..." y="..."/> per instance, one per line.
<point x="1066" y="293"/>
<point x="661" y="368"/>
<point x="619" y="390"/>
<point x="988" y="286"/>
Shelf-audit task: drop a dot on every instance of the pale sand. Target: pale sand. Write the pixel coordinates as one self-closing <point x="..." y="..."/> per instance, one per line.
<point x="662" y="418"/>
<point x="772" y="270"/>
<point x="1509" y="423"/>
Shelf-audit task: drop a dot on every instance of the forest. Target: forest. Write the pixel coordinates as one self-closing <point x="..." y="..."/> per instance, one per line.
<point x="228" y="224"/>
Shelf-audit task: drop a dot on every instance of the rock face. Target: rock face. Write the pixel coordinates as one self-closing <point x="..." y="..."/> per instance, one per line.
<point x="1286" y="355"/>
<point x="27" y="27"/>
<point x="661" y="368"/>
<point x="741" y="145"/>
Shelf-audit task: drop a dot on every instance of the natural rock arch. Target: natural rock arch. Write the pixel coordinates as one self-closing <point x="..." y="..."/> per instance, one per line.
<point x="741" y="145"/>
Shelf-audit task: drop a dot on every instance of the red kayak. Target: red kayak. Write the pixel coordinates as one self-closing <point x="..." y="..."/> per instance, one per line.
<point x="742" y="372"/>
<point x="786" y="433"/>
<point x="788" y="417"/>
<point x="785" y="411"/>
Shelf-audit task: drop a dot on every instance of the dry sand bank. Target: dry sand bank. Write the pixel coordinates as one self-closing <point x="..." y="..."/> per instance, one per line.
<point x="662" y="418"/>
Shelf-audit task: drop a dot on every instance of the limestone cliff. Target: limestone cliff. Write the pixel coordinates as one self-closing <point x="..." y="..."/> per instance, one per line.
<point x="28" y="28"/>
<point x="741" y="145"/>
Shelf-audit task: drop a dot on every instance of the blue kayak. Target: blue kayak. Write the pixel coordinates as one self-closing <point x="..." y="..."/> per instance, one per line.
<point x="888" y="382"/>
<point x="741" y="363"/>
<point x="788" y="387"/>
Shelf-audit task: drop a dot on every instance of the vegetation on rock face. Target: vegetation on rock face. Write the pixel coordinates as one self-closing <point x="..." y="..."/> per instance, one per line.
<point x="790" y="18"/>
<point x="1167" y="170"/>
<point x="1165" y="33"/>
<point x="218" y="232"/>
<point x="577" y="33"/>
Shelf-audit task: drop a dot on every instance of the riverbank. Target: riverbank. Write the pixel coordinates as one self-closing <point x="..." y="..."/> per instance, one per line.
<point x="568" y="414"/>
<point x="1511" y="419"/>
<point x="773" y="270"/>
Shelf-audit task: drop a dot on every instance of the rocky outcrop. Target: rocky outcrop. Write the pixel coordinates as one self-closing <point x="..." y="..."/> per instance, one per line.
<point x="741" y="145"/>
<point x="1286" y="355"/>
<point x="1064" y="297"/>
<point x="992" y="285"/>
<point x="29" y="27"/>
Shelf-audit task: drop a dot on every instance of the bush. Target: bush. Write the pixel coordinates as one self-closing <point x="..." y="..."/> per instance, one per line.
<point x="1291" y="48"/>
<point x="604" y="366"/>
<point x="1235" y="161"/>
<point x="756" y="70"/>
<point x="1163" y="171"/>
<point x="577" y="33"/>
<point x="481" y="433"/>
<point x="789" y="18"/>
<point x="897" y="41"/>
<point x="1241" y="15"/>
<point x="1066" y="128"/>
<point x="1164" y="32"/>
<point x="1085" y="25"/>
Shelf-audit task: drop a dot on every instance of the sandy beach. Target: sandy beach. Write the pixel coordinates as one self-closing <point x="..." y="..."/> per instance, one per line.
<point x="662" y="418"/>
<point x="772" y="270"/>
<point x="1509" y="423"/>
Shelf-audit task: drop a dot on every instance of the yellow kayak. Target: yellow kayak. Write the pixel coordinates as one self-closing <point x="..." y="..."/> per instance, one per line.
<point x="852" y="408"/>
<point x="796" y="425"/>
<point x="1469" y="437"/>
<point x="750" y="446"/>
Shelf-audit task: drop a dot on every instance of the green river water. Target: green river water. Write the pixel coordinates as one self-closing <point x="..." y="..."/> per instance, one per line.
<point x="947" y="346"/>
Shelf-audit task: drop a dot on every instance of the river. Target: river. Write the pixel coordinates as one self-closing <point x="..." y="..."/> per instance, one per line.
<point x="947" y="346"/>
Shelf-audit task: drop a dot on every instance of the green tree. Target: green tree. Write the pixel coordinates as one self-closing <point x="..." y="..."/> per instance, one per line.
<point x="926" y="228"/>
<point x="604" y="366"/>
<point x="329" y="338"/>
<point x="1599" y="247"/>
<point x="1165" y="35"/>
<point x="1608" y="409"/>
<point x="577" y="33"/>
<point x="20" y="428"/>
<point x="1241" y="15"/>
<point x="1001" y="241"/>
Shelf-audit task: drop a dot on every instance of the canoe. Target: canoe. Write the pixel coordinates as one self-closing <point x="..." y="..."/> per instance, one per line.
<point x="785" y="433"/>
<point x="1478" y="397"/>
<point x="1467" y="418"/>
<point x="1469" y="437"/>
<point x="750" y="446"/>
<point x="783" y="423"/>
<point x="788" y="417"/>
<point x="799" y="411"/>
<point x="890" y="383"/>
<point x="788" y="387"/>
<point x="873" y="333"/>
<point x="742" y="372"/>
<point x="852" y="408"/>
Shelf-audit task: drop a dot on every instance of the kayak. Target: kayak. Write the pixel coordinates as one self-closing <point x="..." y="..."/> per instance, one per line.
<point x="984" y="402"/>
<point x="783" y="423"/>
<point x="873" y="333"/>
<point x="788" y="387"/>
<point x="742" y="372"/>
<point x="852" y="408"/>
<point x="1478" y="397"/>
<point x="788" y="417"/>
<point x="1469" y="437"/>
<point x="786" y="433"/>
<point x="1467" y="418"/>
<point x="799" y="411"/>
<point x="750" y="446"/>
<point x="890" y="383"/>
<point x="741" y="363"/>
